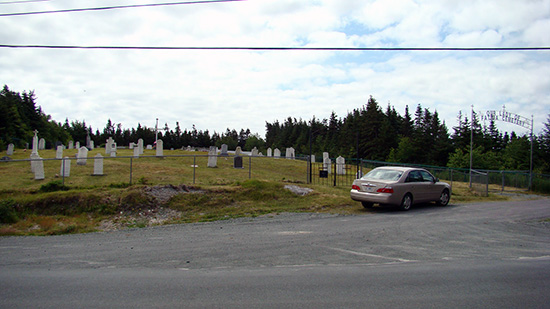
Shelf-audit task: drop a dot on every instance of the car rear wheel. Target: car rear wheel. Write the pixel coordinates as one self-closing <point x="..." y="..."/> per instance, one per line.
<point x="367" y="204"/>
<point x="406" y="203"/>
<point x="444" y="198"/>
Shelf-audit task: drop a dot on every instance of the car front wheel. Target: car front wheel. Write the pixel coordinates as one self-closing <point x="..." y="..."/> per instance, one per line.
<point x="444" y="198"/>
<point x="406" y="203"/>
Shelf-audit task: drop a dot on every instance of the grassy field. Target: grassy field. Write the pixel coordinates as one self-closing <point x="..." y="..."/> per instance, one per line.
<point x="83" y="203"/>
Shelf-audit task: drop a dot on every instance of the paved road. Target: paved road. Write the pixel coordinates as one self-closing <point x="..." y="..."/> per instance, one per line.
<point x="477" y="255"/>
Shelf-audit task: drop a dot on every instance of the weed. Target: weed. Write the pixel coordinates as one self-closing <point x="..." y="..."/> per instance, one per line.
<point x="8" y="212"/>
<point x="53" y="186"/>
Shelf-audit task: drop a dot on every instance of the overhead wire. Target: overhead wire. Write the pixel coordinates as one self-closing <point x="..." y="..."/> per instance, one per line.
<point x="275" y="48"/>
<point x="22" y="1"/>
<point x="116" y="7"/>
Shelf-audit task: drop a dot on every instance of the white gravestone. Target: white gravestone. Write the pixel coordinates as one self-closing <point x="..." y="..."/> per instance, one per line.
<point x="224" y="150"/>
<point x="77" y="145"/>
<point x="71" y="145"/>
<point x="108" y="145"/>
<point x="65" y="170"/>
<point x="113" y="150"/>
<point x="325" y="156"/>
<point x="136" y="152"/>
<point x="39" y="169"/>
<point x="140" y="146"/>
<point x="82" y="156"/>
<point x="269" y="152"/>
<point x="160" y="148"/>
<point x="340" y="166"/>
<point x="290" y="153"/>
<point x="149" y="147"/>
<point x="312" y="158"/>
<point x="59" y="152"/>
<point x="11" y="147"/>
<point x="213" y="157"/>
<point x="276" y="153"/>
<point x="98" y="165"/>
<point x="34" y="157"/>
<point x="41" y="144"/>
<point x="254" y="152"/>
<point x="131" y="145"/>
<point x="238" y="151"/>
<point x="91" y="145"/>
<point x="327" y="164"/>
<point x="35" y="142"/>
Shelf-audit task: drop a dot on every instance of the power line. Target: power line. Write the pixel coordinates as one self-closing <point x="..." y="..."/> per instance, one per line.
<point x="279" y="48"/>
<point x="22" y="1"/>
<point x="116" y="7"/>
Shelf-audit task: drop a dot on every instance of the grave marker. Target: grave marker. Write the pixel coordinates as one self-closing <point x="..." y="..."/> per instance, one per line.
<point x="238" y="162"/>
<point x="65" y="170"/>
<point x="224" y="151"/>
<point x="98" y="165"/>
<point x="82" y="156"/>
<point x="276" y="153"/>
<point x="269" y="152"/>
<point x="59" y="152"/>
<point x="290" y="153"/>
<point x="213" y="157"/>
<point x="42" y="144"/>
<point x="160" y="148"/>
<point x="11" y="147"/>
<point x="340" y="166"/>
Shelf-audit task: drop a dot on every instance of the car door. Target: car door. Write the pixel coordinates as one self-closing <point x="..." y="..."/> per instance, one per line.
<point x="429" y="187"/>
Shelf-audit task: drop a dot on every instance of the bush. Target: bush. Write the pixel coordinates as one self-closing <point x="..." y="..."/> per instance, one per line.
<point x="8" y="212"/>
<point x="53" y="186"/>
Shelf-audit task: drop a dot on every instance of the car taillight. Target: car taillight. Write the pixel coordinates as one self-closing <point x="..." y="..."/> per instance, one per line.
<point x="385" y="190"/>
<point x="355" y="187"/>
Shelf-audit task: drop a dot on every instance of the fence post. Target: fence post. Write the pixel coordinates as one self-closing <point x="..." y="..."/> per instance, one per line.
<point x="334" y="172"/>
<point x="131" y="162"/>
<point x="194" y="167"/>
<point x="63" y="170"/>
<point x="250" y="167"/>
<point x="502" y="173"/>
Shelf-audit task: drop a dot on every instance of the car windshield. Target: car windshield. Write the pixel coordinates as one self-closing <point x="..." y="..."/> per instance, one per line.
<point x="383" y="174"/>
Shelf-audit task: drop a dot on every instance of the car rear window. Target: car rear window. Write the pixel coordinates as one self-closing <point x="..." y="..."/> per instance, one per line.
<point x="380" y="174"/>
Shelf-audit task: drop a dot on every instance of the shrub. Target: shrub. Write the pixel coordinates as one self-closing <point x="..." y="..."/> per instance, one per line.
<point x="8" y="212"/>
<point x="53" y="186"/>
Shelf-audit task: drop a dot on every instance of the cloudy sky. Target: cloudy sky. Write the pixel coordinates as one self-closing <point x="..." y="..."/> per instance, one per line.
<point x="220" y="89"/>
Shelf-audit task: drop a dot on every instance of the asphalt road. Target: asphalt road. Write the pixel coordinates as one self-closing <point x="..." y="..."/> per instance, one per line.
<point x="489" y="255"/>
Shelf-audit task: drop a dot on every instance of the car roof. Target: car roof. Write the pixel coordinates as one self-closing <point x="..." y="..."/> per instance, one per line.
<point x="399" y="168"/>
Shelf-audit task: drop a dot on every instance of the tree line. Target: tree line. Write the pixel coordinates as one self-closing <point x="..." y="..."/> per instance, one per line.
<point x="369" y="132"/>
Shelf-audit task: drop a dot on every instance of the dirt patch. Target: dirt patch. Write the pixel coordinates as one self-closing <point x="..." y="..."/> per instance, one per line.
<point x="150" y="212"/>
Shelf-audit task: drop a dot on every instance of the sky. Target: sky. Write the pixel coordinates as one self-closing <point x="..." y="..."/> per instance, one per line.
<point x="220" y="89"/>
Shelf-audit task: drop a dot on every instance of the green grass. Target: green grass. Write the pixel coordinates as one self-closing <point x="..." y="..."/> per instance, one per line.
<point x="80" y="203"/>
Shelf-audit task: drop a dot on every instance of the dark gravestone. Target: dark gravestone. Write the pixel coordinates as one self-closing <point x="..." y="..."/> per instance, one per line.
<point x="238" y="162"/>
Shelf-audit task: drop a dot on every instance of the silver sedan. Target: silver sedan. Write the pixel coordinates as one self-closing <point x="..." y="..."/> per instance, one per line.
<point x="401" y="186"/>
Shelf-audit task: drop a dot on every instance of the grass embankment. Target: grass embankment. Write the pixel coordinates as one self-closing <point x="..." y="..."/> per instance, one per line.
<point x="82" y="203"/>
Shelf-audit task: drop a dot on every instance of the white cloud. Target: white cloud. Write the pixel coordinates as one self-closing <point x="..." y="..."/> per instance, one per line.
<point x="216" y="90"/>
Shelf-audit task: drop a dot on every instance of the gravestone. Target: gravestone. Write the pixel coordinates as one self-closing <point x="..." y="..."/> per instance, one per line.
<point x="238" y="151"/>
<point x="140" y="146"/>
<point x="327" y="164"/>
<point x="254" y="152"/>
<point x="77" y="145"/>
<point x="89" y="142"/>
<point x="312" y="158"/>
<point x="71" y="145"/>
<point x="91" y="145"/>
<point x="82" y="156"/>
<point x="269" y="152"/>
<point x="213" y="157"/>
<point x="41" y="144"/>
<point x="149" y="147"/>
<point x="34" y="157"/>
<point x="136" y="152"/>
<point x="35" y="142"/>
<point x="238" y="162"/>
<point x="113" y="150"/>
<point x="39" y="169"/>
<point x="131" y="145"/>
<point x="98" y="165"/>
<point x="59" y="152"/>
<point x="108" y="145"/>
<point x="325" y="156"/>
<point x="224" y="151"/>
<point x="290" y="153"/>
<point x="160" y="148"/>
<point x="11" y="147"/>
<point x="65" y="170"/>
<point x="276" y="153"/>
<point x="340" y="166"/>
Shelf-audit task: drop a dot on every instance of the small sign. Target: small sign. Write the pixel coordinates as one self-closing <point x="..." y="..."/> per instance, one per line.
<point x="323" y="174"/>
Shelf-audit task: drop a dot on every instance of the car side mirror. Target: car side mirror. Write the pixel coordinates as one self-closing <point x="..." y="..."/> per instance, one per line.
<point x="436" y="179"/>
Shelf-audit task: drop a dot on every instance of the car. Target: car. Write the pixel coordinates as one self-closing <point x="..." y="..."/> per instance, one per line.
<point x="399" y="186"/>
